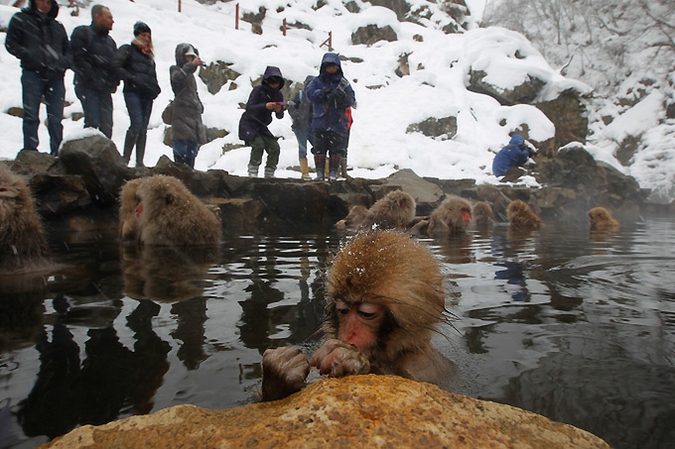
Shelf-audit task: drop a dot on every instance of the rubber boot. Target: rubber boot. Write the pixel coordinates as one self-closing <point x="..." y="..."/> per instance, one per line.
<point x="140" y="149"/>
<point x="343" y="167"/>
<point x="334" y="166"/>
<point x="304" y="168"/>
<point x="129" y="142"/>
<point x="320" y="162"/>
<point x="269" y="172"/>
<point x="253" y="171"/>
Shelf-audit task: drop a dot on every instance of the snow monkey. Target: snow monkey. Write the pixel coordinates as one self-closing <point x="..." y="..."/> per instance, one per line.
<point x="22" y="241"/>
<point x="384" y="300"/>
<point x="128" y="226"/>
<point x="602" y="220"/>
<point x="394" y="211"/>
<point x="522" y="217"/>
<point x="166" y="213"/>
<point x="482" y="214"/>
<point x="451" y="217"/>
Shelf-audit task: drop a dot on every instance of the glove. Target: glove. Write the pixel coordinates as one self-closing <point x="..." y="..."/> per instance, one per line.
<point x="337" y="95"/>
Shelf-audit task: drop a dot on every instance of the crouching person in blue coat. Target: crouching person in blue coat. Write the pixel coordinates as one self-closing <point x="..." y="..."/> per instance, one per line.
<point x="508" y="161"/>
<point x="265" y="98"/>
<point x="330" y="94"/>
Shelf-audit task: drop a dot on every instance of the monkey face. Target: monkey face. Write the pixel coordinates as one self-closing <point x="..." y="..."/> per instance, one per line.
<point x="358" y="323"/>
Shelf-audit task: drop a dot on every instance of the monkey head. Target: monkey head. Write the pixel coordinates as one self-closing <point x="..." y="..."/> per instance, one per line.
<point x="452" y="216"/>
<point x="522" y="217"/>
<point x="385" y="295"/>
<point x="22" y="240"/>
<point x="601" y="219"/>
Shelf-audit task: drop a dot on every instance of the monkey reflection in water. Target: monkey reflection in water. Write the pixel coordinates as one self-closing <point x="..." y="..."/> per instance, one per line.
<point x="384" y="300"/>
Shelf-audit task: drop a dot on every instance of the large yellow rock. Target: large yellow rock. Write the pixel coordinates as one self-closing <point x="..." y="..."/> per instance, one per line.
<point x="357" y="411"/>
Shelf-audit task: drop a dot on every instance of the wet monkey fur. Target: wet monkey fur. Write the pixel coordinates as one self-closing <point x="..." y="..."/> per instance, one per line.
<point x="166" y="213"/>
<point x="396" y="210"/>
<point x="601" y="220"/>
<point x="522" y="217"/>
<point x="22" y="241"/>
<point x="384" y="300"/>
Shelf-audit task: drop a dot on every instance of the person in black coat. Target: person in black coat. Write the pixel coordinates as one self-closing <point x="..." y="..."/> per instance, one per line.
<point x="41" y="43"/>
<point x="95" y="81"/>
<point x="264" y="99"/>
<point x="135" y="64"/>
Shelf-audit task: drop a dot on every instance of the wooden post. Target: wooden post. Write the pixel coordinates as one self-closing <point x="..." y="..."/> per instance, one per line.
<point x="179" y="5"/>
<point x="328" y="41"/>
<point x="284" y="27"/>
<point x="236" y="18"/>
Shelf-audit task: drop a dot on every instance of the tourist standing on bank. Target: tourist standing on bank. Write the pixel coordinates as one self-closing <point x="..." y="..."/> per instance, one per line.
<point x="95" y="80"/>
<point x="135" y="64"/>
<point x="36" y="38"/>
<point x="300" y="110"/>
<point x="264" y="99"/>
<point x="330" y="94"/>
<point x="186" y="123"/>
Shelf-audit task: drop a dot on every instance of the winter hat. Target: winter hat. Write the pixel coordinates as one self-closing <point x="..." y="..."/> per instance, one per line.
<point x="141" y="27"/>
<point x="191" y="51"/>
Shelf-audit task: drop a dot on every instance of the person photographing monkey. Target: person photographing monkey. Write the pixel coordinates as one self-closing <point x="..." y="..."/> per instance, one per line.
<point x="265" y="99"/>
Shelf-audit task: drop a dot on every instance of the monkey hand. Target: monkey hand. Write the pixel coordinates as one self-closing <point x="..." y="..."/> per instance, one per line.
<point x="338" y="358"/>
<point x="284" y="372"/>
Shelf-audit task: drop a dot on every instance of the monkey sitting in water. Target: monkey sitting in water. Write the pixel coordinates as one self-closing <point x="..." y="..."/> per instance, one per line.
<point x="384" y="300"/>
<point x="482" y="214"/>
<point x="22" y="240"/>
<point x="394" y="211"/>
<point x="165" y="212"/>
<point x="521" y="216"/>
<point x="601" y="220"/>
<point x="451" y="217"/>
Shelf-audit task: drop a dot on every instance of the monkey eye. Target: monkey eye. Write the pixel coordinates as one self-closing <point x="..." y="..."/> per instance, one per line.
<point x="342" y="307"/>
<point x="369" y="310"/>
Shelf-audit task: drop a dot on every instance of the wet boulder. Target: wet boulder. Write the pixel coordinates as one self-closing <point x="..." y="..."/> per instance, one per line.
<point x="355" y="411"/>
<point x="96" y="160"/>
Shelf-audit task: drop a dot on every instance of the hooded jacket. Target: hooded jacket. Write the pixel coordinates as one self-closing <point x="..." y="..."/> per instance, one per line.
<point x="41" y="43"/>
<point x="256" y="117"/>
<point x="330" y="95"/>
<point x="515" y="154"/>
<point x="187" y="107"/>
<point x="93" y="54"/>
<point x="300" y="108"/>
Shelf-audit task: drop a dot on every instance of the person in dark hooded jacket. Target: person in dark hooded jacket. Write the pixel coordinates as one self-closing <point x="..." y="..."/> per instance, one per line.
<point x="36" y="38"/>
<point x="263" y="100"/>
<point x="508" y="160"/>
<point x="330" y="94"/>
<point x="95" y="80"/>
<point x="135" y="64"/>
<point x="187" y="107"/>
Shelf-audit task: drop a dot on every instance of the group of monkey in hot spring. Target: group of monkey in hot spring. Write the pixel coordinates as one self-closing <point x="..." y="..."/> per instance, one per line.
<point x="384" y="289"/>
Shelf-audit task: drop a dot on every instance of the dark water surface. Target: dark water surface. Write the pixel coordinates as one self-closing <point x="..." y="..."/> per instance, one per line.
<point x="576" y="326"/>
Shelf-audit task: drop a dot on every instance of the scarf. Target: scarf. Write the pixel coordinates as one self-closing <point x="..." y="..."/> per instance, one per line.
<point x="146" y="47"/>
